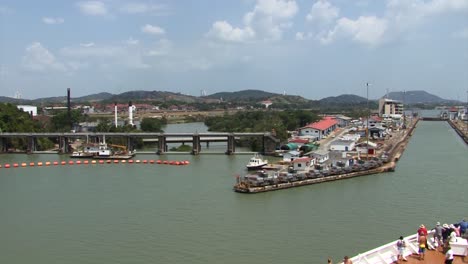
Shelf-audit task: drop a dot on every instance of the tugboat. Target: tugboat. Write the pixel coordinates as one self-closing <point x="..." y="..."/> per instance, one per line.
<point x="256" y="162"/>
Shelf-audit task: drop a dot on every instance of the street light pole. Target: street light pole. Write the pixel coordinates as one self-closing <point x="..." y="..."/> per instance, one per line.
<point x="367" y="125"/>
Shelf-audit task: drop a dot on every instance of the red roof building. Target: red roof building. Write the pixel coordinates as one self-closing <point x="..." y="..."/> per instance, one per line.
<point x="319" y="129"/>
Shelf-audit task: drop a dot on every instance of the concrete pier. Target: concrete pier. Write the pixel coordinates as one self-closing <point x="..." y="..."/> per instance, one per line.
<point x="394" y="155"/>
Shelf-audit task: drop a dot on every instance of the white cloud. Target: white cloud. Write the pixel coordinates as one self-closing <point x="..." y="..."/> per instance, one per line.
<point x="162" y="47"/>
<point x="266" y="21"/>
<point x="224" y="31"/>
<point x="153" y="30"/>
<point x="106" y="56"/>
<point x="303" y="36"/>
<point x="53" y="20"/>
<point x="132" y="41"/>
<point x="400" y="16"/>
<point x="368" y="30"/>
<point x="38" y="58"/>
<point x="87" y="45"/>
<point x="92" y="8"/>
<point x="142" y="8"/>
<point x="323" y="12"/>
<point x="461" y="34"/>
<point x="409" y="13"/>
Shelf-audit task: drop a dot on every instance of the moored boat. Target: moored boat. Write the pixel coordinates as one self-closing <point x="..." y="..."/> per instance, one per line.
<point x="256" y="162"/>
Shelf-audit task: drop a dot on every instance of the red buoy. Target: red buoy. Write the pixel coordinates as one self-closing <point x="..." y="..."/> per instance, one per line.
<point x="63" y="162"/>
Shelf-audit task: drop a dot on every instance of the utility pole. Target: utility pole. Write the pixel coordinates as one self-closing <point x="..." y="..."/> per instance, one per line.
<point x="367" y="125"/>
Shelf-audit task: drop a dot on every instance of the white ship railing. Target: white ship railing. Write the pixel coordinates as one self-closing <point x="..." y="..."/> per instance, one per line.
<point x="388" y="253"/>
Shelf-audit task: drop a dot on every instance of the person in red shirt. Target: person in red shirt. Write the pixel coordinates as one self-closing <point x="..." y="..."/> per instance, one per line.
<point x="422" y="231"/>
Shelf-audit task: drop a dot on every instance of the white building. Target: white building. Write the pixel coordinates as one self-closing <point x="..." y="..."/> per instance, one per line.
<point x="321" y="155"/>
<point x="30" y="109"/>
<point x="303" y="164"/>
<point x="342" y="145"/>
<point x="389" y="107"/>
<point x="291" y="155"/>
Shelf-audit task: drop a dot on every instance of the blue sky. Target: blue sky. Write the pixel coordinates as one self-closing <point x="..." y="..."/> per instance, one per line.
<point x="310" y="48"/>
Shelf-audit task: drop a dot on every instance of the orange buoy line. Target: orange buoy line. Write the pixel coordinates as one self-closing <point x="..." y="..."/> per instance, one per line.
<point x="78" y="162"/>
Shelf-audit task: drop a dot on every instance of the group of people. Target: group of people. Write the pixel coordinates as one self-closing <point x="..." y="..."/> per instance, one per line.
<point x="443" y="236"/>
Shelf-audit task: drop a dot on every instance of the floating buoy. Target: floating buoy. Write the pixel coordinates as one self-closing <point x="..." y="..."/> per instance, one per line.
<point x="31" y="164"/>
<point x="187" y="162"/>
<point x="101" y="162"/>
<point x="123" y="161"/>
<point x="171" y="162"/>
<point x="24" y="164"/>
<point x="78" y="162"/>
<point x="39" y="163"/>
<point x="165" y="162"/>
<point x="86" y="162"/>
<point x="47" y="163"/>
<point x="63" y="162"/>
<point x="7" y="166"/>
<point x="151" y="161"/>
<point x="108" y="161"/>
<point x="93" y="162"/>
<point x="176" y="163"/>
<point x="56" y="163"/>
<point x="137" y="161"/>
<point x="116" y="161"/>
<point x="159" y="161"/>
<point x="145" y="161"/>
<point x="0" y="165"/>
<point x="130" y="161"/>
<point x="15" y="165"/>
<point x="71" y="162"/>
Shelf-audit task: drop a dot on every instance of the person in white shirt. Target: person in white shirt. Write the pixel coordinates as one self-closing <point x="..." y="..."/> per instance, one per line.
<point x="449" y="255"/>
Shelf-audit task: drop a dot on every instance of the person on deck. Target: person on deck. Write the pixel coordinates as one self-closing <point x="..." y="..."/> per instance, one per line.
<point x="463" y="228"/>
<point x="401" y="245"/>
<point x="449" y="255"/>
<point x="438" y="234"/>
<point x="347" y="260"/>
<point x="422" y="241"/>
<point x="422" y="231"/>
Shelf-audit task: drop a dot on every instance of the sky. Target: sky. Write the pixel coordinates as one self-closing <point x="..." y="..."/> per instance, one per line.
<point x="310" y="48"/>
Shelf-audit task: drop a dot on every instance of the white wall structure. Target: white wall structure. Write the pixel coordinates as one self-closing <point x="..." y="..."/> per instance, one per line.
<point x="28" y="109"/>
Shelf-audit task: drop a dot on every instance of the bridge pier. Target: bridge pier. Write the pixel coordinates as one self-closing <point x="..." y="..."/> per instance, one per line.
<point x="32" y="144"/>
<point x="130" y="144"/>
<point x="64" y="145"/>
<point x="196" y="145"/>
<point x="162" y="147"/>
<point x="3" y="145"/>
<point x="231" y="145"/>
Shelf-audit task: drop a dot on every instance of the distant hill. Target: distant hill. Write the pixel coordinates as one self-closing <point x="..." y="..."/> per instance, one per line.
<point x="345" y="98"/>
<point x="242" y="95"/>
<point x="154" y="96"/>
<point x="418" y="97"/>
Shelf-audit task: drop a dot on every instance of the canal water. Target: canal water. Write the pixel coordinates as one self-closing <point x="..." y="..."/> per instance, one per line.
<point x="136" y="213"/>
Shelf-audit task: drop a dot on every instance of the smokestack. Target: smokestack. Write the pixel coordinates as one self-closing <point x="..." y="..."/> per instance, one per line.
<point x="69" y="108"/>
<point x="130" y="113"/>
<point x="115" y="114"/>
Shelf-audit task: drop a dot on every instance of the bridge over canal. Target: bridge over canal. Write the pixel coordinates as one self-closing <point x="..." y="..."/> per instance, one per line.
<point x="269" y="142"/>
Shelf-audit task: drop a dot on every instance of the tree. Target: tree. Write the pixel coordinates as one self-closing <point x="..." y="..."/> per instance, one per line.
<point x="61" y="121"/>
<point x="152" y="124"/>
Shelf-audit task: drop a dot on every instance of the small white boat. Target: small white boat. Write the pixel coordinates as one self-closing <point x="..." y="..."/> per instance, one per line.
<point x="256" y="162"/>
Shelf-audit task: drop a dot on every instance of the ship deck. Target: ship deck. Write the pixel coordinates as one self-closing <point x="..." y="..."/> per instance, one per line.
<point x="433" y="256"/>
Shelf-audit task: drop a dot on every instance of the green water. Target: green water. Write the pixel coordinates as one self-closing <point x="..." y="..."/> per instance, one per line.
<point x="123" y="213"/>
